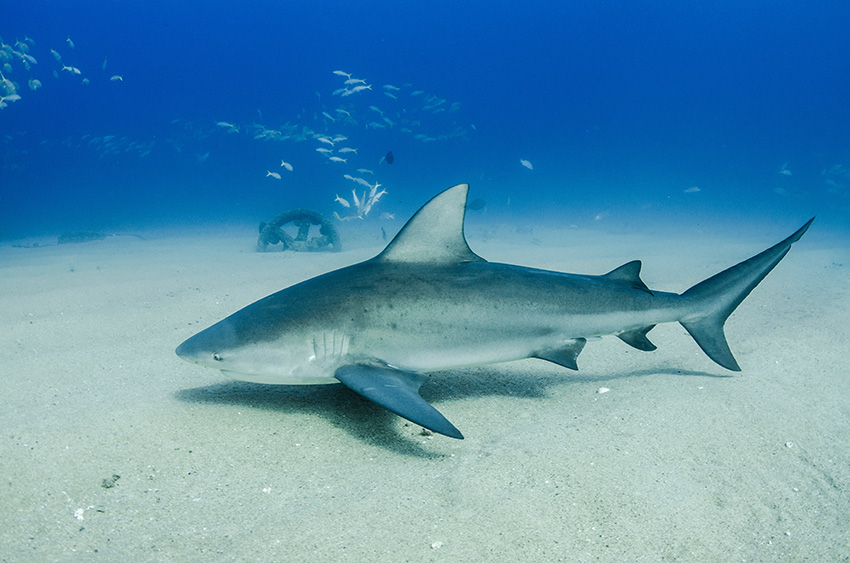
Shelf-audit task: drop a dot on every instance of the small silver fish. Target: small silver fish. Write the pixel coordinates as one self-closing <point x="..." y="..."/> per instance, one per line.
<point x="526" y="164"/>
<point x="274" y="175"/>
<point x="342" y="201"/>
<point x="337" y="159"/>
<point x="347" y="217"/>
<point x="286" y="165"/>
<point x="231" y="128"/>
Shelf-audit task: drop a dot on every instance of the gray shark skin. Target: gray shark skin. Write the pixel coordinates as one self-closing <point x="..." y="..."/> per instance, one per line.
<point x="428" y="303"/>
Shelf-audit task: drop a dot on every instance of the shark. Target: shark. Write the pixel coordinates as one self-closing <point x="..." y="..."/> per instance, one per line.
<point x="428" y="303"/>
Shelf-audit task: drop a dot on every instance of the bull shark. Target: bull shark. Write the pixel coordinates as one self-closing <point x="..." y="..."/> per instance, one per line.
<point x="427" y="303"/>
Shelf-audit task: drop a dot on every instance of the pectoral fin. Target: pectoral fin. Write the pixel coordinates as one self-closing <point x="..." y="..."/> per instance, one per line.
<point x="396" y="391"/>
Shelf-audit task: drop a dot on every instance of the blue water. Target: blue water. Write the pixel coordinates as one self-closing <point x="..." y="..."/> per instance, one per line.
<point x="630" y="113"/>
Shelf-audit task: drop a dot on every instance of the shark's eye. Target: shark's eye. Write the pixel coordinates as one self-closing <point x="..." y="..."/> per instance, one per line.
<point x="216" y="357"/>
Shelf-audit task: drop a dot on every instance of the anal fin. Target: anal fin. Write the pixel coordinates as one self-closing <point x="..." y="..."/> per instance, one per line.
<point x="398" y="392"/>
<point x="566" y="355"/>
<point x="637" y="338"/>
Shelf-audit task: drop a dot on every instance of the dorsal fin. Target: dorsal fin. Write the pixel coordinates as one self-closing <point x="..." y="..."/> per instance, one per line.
<point x="630" y="274"/>
<point x="435" y="233"/>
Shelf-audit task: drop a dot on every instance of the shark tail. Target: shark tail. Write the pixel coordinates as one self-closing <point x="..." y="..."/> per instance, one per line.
<point x="717" y="297"/>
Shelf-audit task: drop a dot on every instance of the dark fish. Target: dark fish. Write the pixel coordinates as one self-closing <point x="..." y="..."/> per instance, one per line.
<point x="389" y="157"/>
<point x="476" y="204"/>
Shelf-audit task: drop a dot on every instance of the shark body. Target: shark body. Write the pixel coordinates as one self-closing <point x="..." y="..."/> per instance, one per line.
<point x="428" y="303"/>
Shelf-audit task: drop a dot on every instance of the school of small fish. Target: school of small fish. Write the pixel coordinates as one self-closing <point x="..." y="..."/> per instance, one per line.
<point x="362" y="204"/>
<point x="356" y="109"/>
<point x="403" y="109"/>
<point x="20" y="53"/>
<point x="340" y="132"/>
<point x="332" y="144"/>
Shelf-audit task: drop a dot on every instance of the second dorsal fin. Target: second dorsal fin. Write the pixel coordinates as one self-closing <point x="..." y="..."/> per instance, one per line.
<point x="629" y="273"/>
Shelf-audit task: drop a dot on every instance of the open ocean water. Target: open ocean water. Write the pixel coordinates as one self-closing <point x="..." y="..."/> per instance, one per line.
<point x="631" y="115"/>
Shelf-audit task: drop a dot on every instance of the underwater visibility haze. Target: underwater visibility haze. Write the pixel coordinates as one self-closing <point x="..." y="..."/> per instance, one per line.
<point x="607" y="115"/>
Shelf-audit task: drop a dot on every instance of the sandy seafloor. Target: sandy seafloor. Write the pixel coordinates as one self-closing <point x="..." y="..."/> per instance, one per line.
<point x="679" y="461"/>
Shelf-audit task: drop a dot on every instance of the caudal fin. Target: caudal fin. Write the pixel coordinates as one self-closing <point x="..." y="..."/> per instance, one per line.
<point x="715" y="298"/>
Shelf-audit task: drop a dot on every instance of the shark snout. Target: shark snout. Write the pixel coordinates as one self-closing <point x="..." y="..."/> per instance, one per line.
<point x="184" y="351"/>
<point x="208" y="346"/>
<point x="199" y="349"/>
<point x="190" y="352"/>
